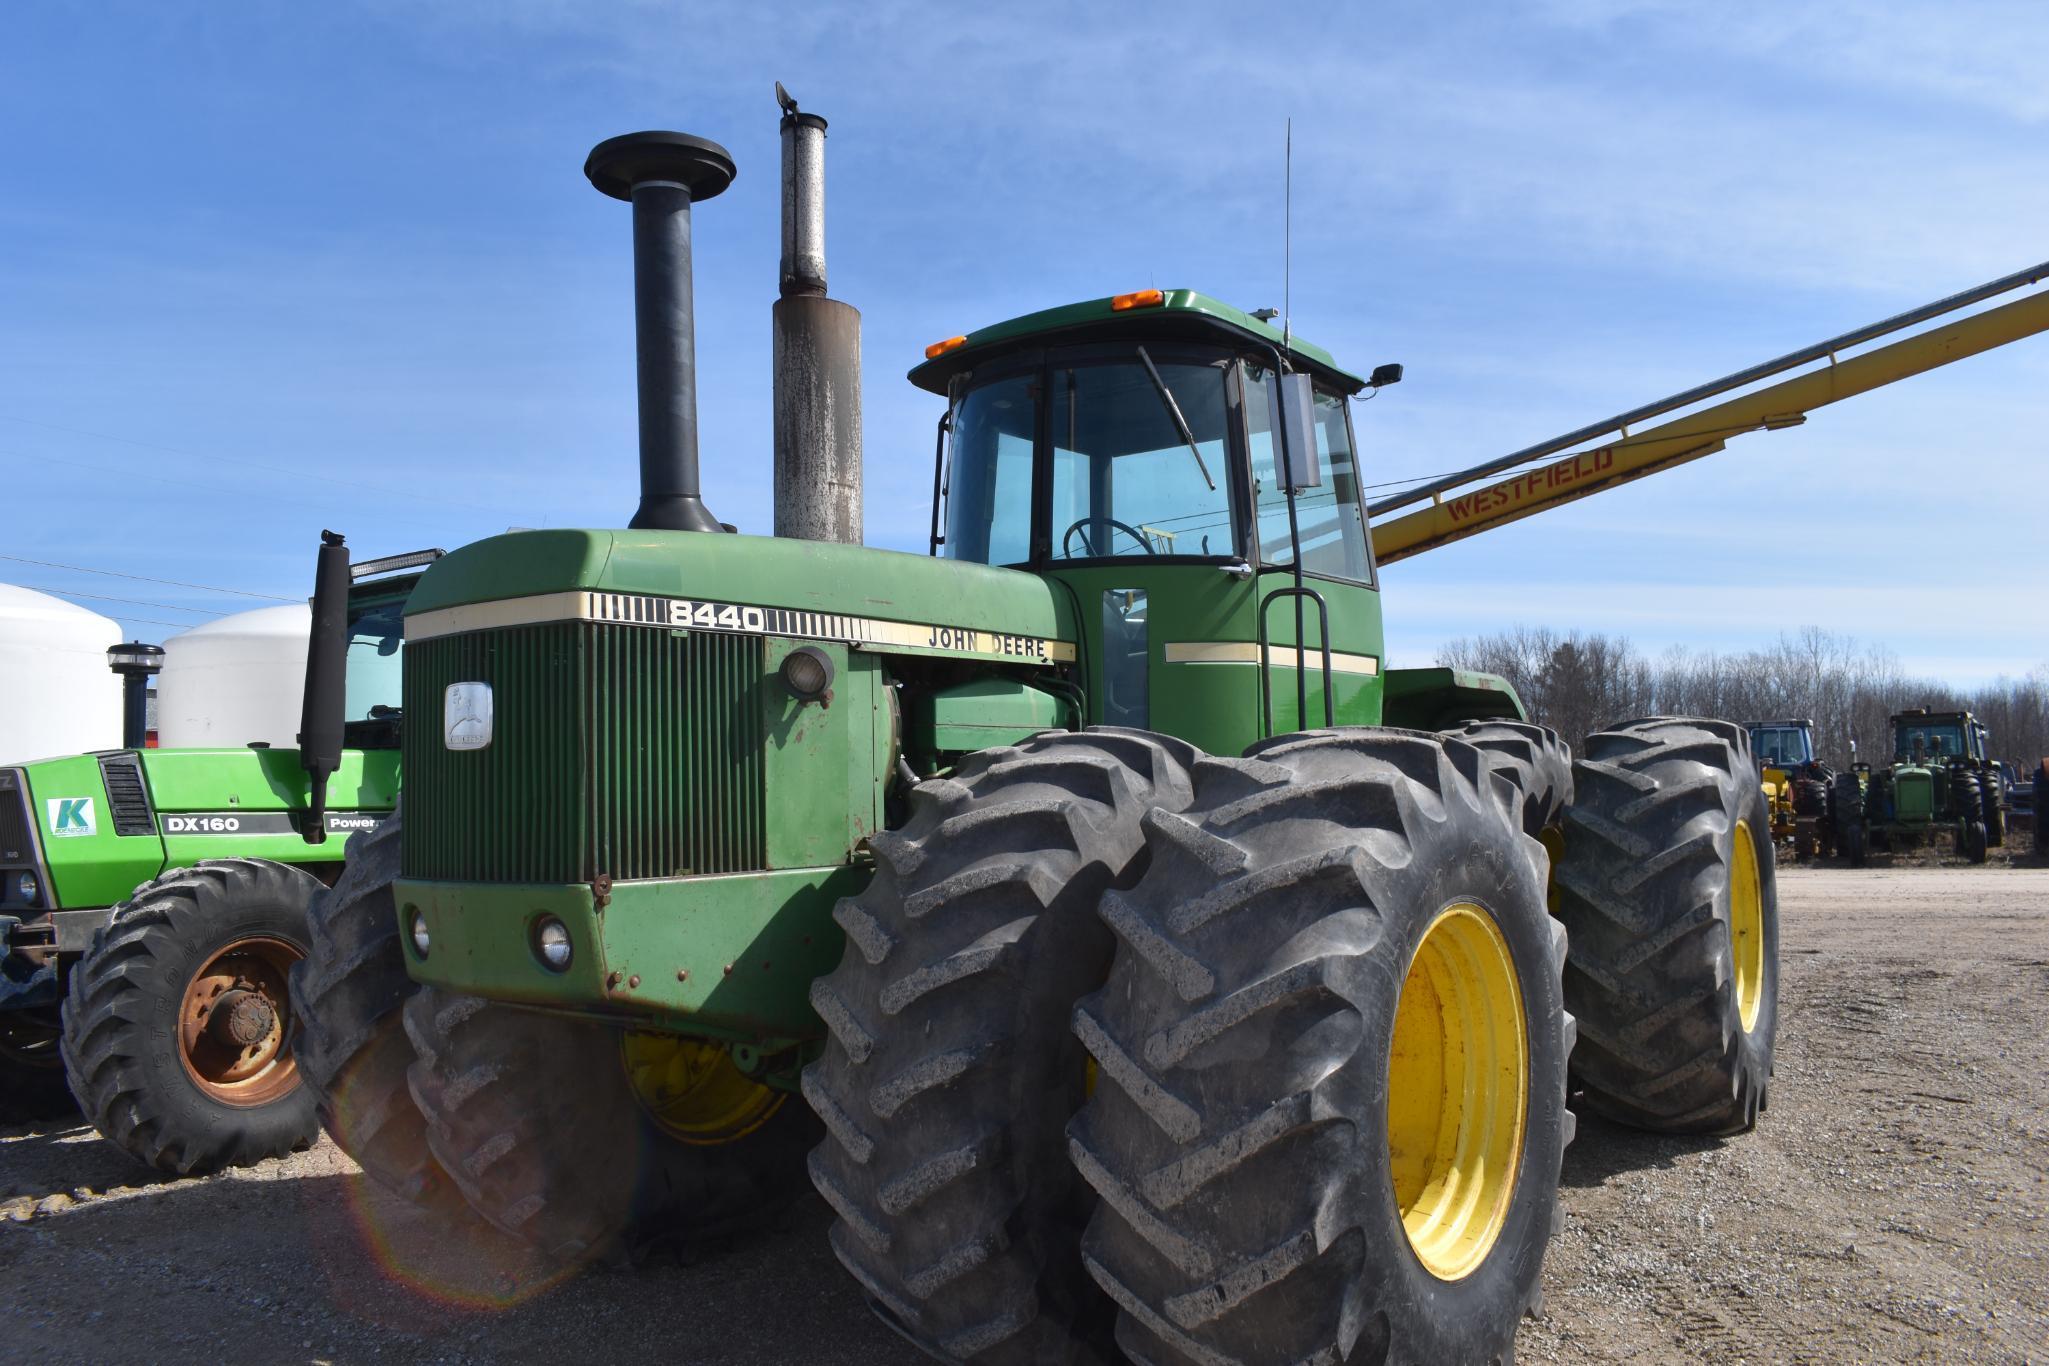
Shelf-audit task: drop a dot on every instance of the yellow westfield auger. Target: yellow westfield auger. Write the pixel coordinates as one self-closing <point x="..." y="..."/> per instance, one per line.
<point x="1134" y="962"/>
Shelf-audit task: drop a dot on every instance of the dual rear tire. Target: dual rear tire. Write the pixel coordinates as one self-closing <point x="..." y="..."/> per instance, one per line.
<point x="1667" y="890"/>
<point x="1333" y="994"/>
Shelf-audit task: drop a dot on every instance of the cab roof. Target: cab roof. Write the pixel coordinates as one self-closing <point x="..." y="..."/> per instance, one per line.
<point x="1182" y="312"/>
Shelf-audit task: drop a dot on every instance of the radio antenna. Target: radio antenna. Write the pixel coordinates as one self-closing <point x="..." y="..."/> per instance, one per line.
<point x="1287" y="232"/>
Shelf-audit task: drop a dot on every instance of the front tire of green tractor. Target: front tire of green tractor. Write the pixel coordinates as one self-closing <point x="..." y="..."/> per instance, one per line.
<point x="1333" y="1054"/>
<point x="950" y="1073"/>
<point x="537" y="1122"/>
<point x="1967" y="799"/>
<point x="1667" y="890"/>
<point x="352" y="1046"/>
<point x="177" y="1021"/>
<point x="1995" y="810"/>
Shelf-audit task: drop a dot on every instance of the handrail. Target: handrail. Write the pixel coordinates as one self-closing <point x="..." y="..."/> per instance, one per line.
<point x="1266" y="701"/>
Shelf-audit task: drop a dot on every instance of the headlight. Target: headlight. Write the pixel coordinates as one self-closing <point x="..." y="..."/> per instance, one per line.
<point x="552" y="945"/>
<point x="807" y="673"/>
<point x="27" y="887"/>
<point x="417" y="926"/>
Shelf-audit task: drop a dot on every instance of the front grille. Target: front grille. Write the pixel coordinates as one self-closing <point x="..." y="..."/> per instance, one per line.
<point x="127" y="798"/>
<point x="628" y="751"/>
<point x="17" y="844"/>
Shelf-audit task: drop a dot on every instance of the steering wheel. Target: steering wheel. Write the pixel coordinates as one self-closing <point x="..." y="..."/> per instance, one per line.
<point x="1082" y="525"/>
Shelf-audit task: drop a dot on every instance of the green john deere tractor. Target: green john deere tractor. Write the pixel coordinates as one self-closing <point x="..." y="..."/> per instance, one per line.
<point x="1141" y="960"/>
<point x="152" y="902"/>
<point x="1941" y="782"/>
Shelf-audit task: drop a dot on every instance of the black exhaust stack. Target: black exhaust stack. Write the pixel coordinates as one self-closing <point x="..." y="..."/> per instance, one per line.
<point x="327" y="661"/>
<point x="662" y="175"/>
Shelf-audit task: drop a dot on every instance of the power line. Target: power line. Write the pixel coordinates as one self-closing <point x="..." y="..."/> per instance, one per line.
<point x="108" y="597"/>
<point x="144" y="578"/>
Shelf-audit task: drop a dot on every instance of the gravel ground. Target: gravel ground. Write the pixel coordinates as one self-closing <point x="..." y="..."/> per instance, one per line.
<point x="1891" y="1206"/>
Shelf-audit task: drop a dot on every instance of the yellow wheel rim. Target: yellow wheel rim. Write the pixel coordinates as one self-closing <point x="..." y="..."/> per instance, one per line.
<point x="1458" y="1087"/>
<point x="693" y="1090"/>
<point x="1553" y="840"/>
<point x="1746" y="928"/>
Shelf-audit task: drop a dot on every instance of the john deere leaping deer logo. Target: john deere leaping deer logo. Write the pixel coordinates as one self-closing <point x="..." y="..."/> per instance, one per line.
<point x="466" y="716"/>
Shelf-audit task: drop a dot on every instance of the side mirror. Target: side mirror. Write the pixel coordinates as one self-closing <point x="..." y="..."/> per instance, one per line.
<point x="1299" y="467"/>
<point x="1384" y="375"/>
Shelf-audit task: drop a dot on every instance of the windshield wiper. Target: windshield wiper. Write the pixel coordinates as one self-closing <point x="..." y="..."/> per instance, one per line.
<point x="1180" y="422"/>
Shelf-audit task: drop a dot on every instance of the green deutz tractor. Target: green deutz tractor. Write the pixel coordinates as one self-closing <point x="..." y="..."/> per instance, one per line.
<point x="1140" y="960"/>
<point x="152" y="902"/>
<point x="1942" y="781"/>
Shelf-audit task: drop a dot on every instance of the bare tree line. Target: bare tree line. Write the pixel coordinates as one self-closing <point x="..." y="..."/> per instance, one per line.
<point x="1579" y="682"/>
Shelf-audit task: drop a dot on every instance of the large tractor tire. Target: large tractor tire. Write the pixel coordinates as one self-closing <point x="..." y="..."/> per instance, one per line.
<point x="1332" y="1057"/>
<point x="1990" y="793"/>
<point x="538" y="1122"/>
<point x="1667" y="890"/>
<point x="177" y="1021"/>
<point x="32" y="1085"/>
<point x="951" y="1072"/>
<point x="352" y="1047"/>
<point x="1536" y="758"/>
<point x="1967" y="805"/>
<point x="1846" y="808"/>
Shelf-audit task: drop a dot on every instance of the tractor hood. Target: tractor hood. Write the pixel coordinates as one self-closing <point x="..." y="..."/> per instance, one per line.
<point x="882" y="600"/>
<point x="90" y="827"/>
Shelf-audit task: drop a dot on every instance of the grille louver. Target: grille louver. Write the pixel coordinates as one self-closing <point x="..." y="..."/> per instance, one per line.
<point x="617" y="750"/>
<point x="127" y="798"/>
<point x="17" y="845"/>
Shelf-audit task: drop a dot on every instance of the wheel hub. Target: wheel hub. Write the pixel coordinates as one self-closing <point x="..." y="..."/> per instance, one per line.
<point x="232" y="1023"/>
<point x="241" y="1018"/>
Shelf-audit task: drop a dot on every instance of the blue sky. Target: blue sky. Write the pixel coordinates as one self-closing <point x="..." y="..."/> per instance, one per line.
<point x="269" y="268"/>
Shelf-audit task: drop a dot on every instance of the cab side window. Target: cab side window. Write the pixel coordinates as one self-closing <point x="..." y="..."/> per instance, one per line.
<point x="1331" y="518"/>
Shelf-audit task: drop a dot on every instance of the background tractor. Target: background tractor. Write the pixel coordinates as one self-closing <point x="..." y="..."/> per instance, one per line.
<point x="155" y="899"/>
<point x="1798" y="787"/>
<point x="1941" y="782"/>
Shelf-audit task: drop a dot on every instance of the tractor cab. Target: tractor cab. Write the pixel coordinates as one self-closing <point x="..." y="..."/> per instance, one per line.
<point x="1782" y="745"/>
<point x="1922" y="736"/>
<point x="1195" y="490"/>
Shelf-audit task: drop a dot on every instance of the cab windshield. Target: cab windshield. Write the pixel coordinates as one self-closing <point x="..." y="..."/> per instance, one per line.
<point x="1937" y="740"/>
<point x="1780" y="746"/>
<point x="1145" y="453"/>
<point x="1139" y="462"/>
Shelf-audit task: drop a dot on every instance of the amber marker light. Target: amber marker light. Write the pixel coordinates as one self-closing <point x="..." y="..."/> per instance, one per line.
<point x="1144" y="298"/>
<point x="940" y="348"/>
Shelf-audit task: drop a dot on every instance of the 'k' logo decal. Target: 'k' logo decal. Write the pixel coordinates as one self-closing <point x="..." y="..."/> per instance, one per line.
<point x="71" y="816"/>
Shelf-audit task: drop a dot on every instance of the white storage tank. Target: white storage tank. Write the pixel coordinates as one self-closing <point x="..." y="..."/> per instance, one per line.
<point x="235" y="680"/>
<point x="57" y="695"/>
